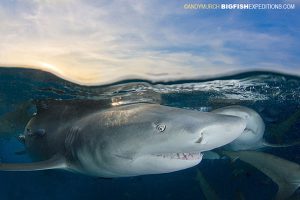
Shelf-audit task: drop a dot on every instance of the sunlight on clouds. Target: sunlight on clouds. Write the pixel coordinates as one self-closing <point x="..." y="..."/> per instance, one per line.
<point x="50" y="67"/>
<point x="99" y="42"/>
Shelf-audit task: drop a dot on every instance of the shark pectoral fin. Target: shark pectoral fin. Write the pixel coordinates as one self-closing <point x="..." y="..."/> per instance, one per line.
<point x="285" y="190"/>
<point x="56" y="162"/>
<point x="266" y="144"/>
<point x="284" y="173"/>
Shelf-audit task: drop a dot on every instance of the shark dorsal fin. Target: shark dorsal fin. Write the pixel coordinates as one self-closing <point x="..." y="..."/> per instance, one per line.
<point x="56" y="162"/>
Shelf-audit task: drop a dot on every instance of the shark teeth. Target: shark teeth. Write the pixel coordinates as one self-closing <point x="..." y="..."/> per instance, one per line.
<point x="181" y="156"/>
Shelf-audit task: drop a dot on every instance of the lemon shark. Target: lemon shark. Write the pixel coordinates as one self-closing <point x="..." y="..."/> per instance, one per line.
<point x="121" y="141"/>
<point x="252" y="137"/>
<point x="284" y="173"/>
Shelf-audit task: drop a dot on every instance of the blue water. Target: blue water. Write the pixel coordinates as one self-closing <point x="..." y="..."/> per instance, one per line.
<point x="276" y="97"/>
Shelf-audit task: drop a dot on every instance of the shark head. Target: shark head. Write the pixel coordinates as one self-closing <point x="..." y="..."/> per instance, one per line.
<point x="252" y="136"/>
<point x="143" y="139"/>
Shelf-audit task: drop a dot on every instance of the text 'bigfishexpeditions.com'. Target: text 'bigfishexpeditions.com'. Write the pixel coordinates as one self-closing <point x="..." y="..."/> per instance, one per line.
<point x="199" y="6"/>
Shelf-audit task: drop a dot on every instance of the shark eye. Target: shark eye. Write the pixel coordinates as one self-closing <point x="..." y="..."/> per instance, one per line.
<point x="28" y="131"/>
<point x="161" y="127"/>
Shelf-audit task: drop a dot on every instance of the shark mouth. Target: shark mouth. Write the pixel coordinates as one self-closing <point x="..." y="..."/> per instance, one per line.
<point x="181" y="156"/>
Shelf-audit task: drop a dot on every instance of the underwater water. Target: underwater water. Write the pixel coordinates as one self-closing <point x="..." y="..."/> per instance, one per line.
<point x="276" y="97"/>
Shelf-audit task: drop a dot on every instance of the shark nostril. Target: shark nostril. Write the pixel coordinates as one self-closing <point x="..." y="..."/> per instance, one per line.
<point x="200" y="138"/>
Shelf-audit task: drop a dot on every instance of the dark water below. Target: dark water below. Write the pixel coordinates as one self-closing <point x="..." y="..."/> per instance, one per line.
<point x="276" y="97"/>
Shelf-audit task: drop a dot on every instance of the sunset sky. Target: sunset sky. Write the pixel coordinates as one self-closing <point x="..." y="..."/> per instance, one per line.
<point x="99" y="42"/>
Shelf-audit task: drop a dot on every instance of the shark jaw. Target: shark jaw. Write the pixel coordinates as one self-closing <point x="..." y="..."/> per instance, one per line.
<point x="166" y="162"/>
<point x="181" y="156"/>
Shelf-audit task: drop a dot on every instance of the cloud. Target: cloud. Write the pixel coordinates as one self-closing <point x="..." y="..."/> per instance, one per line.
<point x="98" y="42"/>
